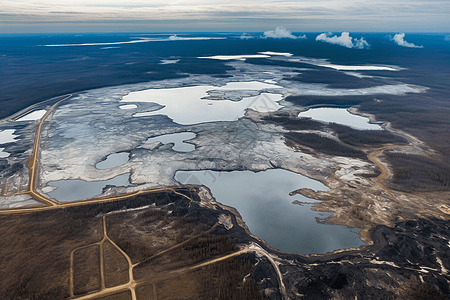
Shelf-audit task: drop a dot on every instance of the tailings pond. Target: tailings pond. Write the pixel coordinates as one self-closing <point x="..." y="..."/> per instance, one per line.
<point x="76" y="189"/>
<point x="264" y="203"/>
<point x="113" y="160"/>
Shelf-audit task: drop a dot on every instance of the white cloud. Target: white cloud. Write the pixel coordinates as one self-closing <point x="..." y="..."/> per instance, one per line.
<point x="399" y="40"/>
<point x="344" y="40"/>
<point x="280" y="33"/>
<point x="361" y="43"/>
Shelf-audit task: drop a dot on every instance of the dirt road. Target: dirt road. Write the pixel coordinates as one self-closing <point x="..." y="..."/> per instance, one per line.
<point x="385" y="173"/>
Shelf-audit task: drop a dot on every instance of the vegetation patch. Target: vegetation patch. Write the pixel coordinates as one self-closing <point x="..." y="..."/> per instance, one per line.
<point x="324" y="145"/>
<point x="86" y="270"/>
<point x="115" y="266"/>
<point x="413" y="173"/>
<point x="360" y="138"/>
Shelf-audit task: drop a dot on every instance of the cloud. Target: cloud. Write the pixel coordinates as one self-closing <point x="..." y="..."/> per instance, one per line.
<point x="344" y="40"/>
<point x="361" y="43"/>
<point x="281" y="33"/>
<point x="399" y="40"/>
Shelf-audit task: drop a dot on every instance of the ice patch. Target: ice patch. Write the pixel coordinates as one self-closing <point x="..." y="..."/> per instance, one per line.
<point x="359" y="68"/>
<point x="325" y="63"/>
<point x="247" y="85"/>
<point x="235" y="57"/>
<point x="128" y="106"/>
<point x="7" y="136"/>
<point x="270" y="81"/>
<point x="276" y="53"/>
<point x="140" y="40"/>
<point x="339" y="116"/>
<point x="179" y="38"/>
<point x="168" y="61"/>
<point x="35" y="115"/>
<point x="100" y="44"/>
<point x="265" y="54"/>
<point x="3" y="154"/>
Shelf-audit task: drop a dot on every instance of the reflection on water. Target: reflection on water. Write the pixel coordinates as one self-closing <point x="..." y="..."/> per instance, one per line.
<point x="264" y="203"/>
<point x="339" y="116"/>
<point x="176" y="138"/>
<point x="113" y="160"/>
<point x="76" y="189"/>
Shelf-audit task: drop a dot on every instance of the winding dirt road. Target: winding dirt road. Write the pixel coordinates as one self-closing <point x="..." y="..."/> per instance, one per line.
<point x="385" y="173"/>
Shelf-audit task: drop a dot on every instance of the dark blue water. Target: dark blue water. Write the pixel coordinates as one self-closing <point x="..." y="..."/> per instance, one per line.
<point x="31" y="72"/>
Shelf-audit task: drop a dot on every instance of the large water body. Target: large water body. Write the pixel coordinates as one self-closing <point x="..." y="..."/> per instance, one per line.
<point x="187" y="105"/>
<point x="264" y="203"/>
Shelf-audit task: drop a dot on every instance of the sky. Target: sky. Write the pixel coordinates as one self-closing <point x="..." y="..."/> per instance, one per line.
<point x="39" y="16"/>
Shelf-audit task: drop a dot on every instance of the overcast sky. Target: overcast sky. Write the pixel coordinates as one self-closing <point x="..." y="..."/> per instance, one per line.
<point x="230" y="15"/>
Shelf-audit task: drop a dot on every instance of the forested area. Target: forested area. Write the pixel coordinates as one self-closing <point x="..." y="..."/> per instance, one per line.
<point x="324" y="145"/>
